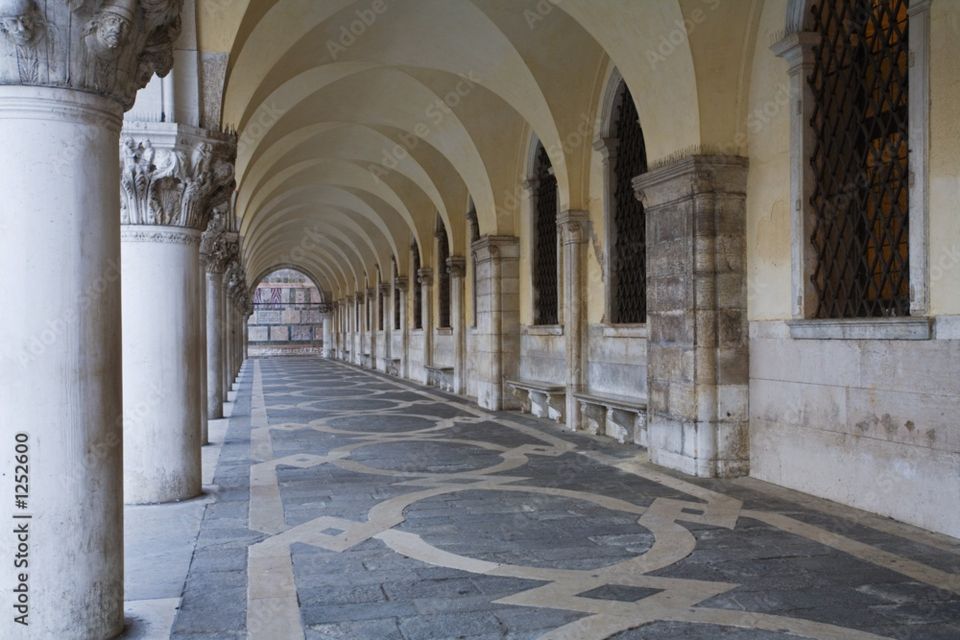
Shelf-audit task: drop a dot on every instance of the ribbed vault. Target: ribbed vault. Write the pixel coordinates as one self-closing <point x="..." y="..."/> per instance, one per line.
<point x="362" y="121"/>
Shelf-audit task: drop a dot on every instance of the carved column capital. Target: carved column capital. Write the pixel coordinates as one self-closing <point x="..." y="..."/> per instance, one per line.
<point x="217" y="247"/>
<point x="108" y="47"/>
<point x="425" y="276"/>
<point x="573" y="225"/>
<point x="177" y="179"/>
<point x="456" y="266"/>
<point x="401" y="283"/>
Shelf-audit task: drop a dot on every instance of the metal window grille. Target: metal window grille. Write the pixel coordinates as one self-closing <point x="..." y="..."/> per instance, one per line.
<point x="860" y="159"/>
<point x="628" y="263"/>
<point x="443" y="279"/>
<point x="381" y="298"/>
<point x="417" y="290"/>
<point x="545" y="239"/>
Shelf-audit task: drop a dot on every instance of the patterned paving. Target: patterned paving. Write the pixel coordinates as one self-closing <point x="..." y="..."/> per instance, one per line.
<point x="355" y="506"/>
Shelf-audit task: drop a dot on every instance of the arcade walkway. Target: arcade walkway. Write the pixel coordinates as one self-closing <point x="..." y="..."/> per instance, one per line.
<point x="347" y="505"/>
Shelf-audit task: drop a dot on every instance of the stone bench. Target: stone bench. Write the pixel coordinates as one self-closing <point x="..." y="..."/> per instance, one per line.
<point x="541" y="399"/>
<point x="441" y="377"/>
<point x="623" y="418"/>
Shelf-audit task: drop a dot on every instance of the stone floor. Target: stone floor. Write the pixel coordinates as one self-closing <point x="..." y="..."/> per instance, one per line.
<point x="348" y="505"/>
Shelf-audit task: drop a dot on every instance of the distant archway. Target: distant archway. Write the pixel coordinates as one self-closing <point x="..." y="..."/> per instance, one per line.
<point x="287" y="317"/>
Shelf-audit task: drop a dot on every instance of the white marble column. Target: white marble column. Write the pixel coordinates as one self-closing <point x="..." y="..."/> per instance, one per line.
<point x="60" y="357"/>
<point x="170" y="177"/>
<point x="457" y="266"/>
<point x="216" y="250"/>
<point x="425" y="280"/>
<point x="572" y="225"/>
<point x="161" y="336"/>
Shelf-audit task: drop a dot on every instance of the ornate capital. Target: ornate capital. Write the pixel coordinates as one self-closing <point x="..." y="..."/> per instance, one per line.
<point x="217" y="246"/>
<point x="162" y="185"/>
<point x="573" y="226"/>
<point x="108" y="47"/>
<point x="425" y="276"/>
<point x="401" y="282"/>
<point x="456" y="266"/>
<point x="236" y="281"/>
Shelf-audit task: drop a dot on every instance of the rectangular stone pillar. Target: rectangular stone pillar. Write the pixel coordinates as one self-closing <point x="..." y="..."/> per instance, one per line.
<point x="497" y="340"/>
<point x="400" y="292"/>
<point x="387" y="347"/>
<point x="425" y="278"/>
<point x="372" y="314"/>
<point x="698" y="347"/>
<point x="574" y="235"/>
<point x="457" y="266"/>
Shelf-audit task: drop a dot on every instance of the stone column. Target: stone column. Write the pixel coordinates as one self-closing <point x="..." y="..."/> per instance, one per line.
<point x="498" y="318"/>
<point x="425" y="280"/>
<point x="170" y="177"/>
<point x="457" y="267"/>
<point x="328" y="346"/>
<point x="573" y="230"/>
<point x="234" y="296"/>
<point x="215" y="252"/>
<point x="372" y="309"/>
<point x="402" y="286"/>
<point x="698" y="346"/>
<point x="360" y="322"/>
<point x="63" y="90"/>
<point x="385" y="293"/>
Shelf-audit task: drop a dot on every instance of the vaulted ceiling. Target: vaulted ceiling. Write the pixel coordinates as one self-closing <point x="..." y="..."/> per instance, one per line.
<point x="360" y="121"/>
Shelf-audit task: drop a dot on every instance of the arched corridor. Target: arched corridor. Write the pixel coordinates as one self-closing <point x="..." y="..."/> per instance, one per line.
<point x="592" y="318"/>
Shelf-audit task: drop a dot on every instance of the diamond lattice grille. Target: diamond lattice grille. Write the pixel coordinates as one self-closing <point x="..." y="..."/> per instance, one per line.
<point x="629" y="258"/>
<point x="545" y="238"/>
<point x="860" y="159"/>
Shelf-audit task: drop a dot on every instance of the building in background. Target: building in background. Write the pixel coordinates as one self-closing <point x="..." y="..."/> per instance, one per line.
<point x="286" y="316"/>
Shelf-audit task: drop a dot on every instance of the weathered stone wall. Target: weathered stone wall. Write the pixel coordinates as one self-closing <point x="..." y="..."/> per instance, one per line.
<point x="616" y="363"/>
<point x="859" y="421"/>
<point x="542" y="356"/>
<point x="442" y="348"/>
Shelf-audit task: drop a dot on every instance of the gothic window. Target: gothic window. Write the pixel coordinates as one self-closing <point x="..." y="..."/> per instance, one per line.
<point x="860" y="159"/>
<point x="628" y="253"/>
<point x="417" y="290"/>
<point x="545" y="306"/>
<point x="443" y="279"/>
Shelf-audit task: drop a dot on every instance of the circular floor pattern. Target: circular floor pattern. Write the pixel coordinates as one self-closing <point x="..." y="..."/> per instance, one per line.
<point x="417" y="456"/>
<point x="357" y="404"/>
<point x="382" y="423"/>
<point x="532" y="529"/>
